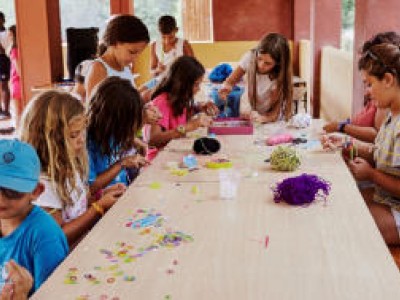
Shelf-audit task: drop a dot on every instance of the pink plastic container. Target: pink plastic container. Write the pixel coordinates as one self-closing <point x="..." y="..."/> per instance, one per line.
<point x="231" y="126"/>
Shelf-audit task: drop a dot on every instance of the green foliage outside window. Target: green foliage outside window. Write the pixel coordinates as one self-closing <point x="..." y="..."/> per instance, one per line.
<point x="348" y="13"/>
<point x="150" y="10"/>
<point x="7" y="7"/>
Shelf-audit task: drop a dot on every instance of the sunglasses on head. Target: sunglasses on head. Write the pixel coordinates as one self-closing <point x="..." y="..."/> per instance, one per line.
<point x="11" y="194"/>
<point x="374" y="57"/>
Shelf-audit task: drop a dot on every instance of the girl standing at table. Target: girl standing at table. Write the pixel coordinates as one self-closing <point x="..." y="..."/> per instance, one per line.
<point x="268" y="93"/>
<point x="380" y="163"/>
<point x="54" y="123"/>
<point x="174" y="98"/>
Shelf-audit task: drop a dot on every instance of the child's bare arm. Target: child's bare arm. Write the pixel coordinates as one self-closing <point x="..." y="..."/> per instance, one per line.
<point x="187" y="49"/>
<point x="365" y="150"/>
<point x="75" y="229"/>
<point x="159" y="138"/>
<point x="104" y="179"/>
<point x="154" y="62"/>
<point x="362" y="133"/>
<point x="96" y="74"/>
<point x="364" y="171"/>
<point x="228" y="84"/>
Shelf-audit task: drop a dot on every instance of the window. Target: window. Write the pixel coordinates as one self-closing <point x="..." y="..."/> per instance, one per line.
<point x="192" y="16"/>
<point x="197" y="20"/>
<point x="8" y="9"/>
<point x="150" y="10"/>
<point x="84" y="13"/>
<point x="347" y="38"/>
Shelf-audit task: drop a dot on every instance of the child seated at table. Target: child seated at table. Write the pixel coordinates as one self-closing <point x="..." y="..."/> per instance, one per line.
<point x="365" y="124"/>
<point x="114" y="118"/>
<point x="28" y="235"/>
<point x="268" y="93"/>
<point x="164" y="52"/>
<point x="174" y="99"/>
<point x="380" y="162"/>
<point x="18" y="282"/>
<point x="55" y="124"/>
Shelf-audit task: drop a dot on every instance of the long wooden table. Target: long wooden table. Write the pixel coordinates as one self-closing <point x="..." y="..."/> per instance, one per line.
<point x="245" y="248"/>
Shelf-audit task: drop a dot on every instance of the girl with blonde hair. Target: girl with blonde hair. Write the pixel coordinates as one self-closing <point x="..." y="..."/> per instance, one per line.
<point x="54" y="123"/>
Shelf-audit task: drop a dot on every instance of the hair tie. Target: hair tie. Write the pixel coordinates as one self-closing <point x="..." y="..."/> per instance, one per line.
<point x="301" y="190"/>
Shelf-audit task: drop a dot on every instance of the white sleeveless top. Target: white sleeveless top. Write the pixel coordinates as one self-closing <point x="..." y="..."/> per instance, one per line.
<point x="124" y="74"/>
<point x="167" y="58"/>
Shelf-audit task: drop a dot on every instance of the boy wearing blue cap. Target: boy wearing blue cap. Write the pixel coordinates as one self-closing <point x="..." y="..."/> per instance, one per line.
<point x="28" y="235"/>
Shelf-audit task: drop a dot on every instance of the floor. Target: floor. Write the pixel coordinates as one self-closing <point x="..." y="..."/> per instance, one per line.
<point x="6" y="126"/>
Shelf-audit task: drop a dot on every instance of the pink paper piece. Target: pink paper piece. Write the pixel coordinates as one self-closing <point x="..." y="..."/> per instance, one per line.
<point x="266" y="241"/>
<point x="279" y="139"/>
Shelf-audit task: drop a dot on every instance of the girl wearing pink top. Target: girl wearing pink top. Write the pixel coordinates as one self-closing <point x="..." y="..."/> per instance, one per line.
<point x="174" y="98"/>
<point x="15" y="77"/>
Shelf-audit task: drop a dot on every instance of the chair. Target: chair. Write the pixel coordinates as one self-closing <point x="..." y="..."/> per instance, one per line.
<point x="299" y="93"/>
<point x="81" y="45"/>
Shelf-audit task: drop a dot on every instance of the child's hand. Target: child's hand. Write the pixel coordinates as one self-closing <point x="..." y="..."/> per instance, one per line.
<point x="199" y="120"/>
<point x="21" y="282"/>
<point x="255" y="117"/>
<point x="331" y="127"/>
<point x="332" y="142"/>
<point x="160" y="68"/>
<point x="109" y="199"/>
<point x="119" y="188"/>
<point x="360" y="168"/>
<point x="134" y="161"/>
<point x="151" y="114"/>
<point x="204" y="120"/>
<point x="224" y="91"/>
<point x="245" y="115"/>
<point x="209" y="108"/>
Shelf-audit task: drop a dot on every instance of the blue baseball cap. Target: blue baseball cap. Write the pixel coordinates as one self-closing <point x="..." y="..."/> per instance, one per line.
<point x="19" y="166"/>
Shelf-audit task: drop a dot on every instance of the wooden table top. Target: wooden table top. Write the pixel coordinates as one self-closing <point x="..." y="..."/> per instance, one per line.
<point x="190" y="244"/>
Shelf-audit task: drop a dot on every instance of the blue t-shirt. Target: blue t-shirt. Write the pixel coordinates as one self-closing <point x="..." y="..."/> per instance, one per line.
<point x="99" y="163"/>
<point x="38" y="244"/>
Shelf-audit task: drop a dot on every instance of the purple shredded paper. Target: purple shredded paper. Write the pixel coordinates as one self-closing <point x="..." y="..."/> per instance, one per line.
<point x="301" y="190"/>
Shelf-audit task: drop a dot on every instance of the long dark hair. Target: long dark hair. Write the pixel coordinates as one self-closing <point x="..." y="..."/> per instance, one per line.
<point x="114" y="116"/>
<point x="179" y="82"/>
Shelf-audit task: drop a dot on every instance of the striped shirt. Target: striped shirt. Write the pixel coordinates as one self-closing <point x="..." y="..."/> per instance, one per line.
<point x="387" y="158"/>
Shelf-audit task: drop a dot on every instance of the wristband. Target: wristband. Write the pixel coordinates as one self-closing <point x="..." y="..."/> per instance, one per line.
<point x="98" y="208"/>
<point x="342" y="125"/>
<point x="181" y="129"/>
